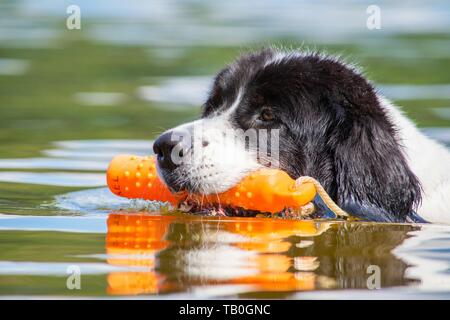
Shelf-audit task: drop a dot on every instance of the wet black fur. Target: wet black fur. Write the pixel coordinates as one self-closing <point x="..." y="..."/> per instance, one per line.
<point x="332" y="128"/>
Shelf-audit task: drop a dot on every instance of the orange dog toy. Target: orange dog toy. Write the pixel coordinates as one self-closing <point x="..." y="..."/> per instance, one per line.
<point x="265" y="190"/>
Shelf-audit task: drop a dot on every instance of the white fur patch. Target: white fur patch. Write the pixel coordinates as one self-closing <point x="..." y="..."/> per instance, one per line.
<point x="430" y="162"/>
<point x="223" y="161"/>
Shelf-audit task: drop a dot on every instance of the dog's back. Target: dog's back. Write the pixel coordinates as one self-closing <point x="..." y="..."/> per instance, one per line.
<point x="430" y="162"/>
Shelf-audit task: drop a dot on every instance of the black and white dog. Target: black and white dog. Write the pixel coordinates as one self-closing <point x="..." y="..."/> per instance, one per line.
<point x="332" y="125"/>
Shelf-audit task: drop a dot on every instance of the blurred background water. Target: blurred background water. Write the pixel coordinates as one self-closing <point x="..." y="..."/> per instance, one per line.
<point x="71" y="99"/>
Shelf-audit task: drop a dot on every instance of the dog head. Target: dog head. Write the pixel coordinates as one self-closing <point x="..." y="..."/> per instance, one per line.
<point x="307" y="114"/>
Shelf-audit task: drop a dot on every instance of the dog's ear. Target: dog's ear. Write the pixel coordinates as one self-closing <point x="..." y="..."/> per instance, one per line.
<point x="373" y="179"/>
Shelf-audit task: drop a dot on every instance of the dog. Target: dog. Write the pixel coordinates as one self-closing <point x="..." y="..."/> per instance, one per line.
<point x="331" y="124"/>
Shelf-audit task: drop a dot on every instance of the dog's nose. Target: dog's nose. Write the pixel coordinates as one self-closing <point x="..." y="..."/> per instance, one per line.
<point x="163" y="147"/>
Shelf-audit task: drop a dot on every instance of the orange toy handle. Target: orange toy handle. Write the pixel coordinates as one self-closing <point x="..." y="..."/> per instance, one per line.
<point x="265" y="190"/>
<point x="135" y="177"/>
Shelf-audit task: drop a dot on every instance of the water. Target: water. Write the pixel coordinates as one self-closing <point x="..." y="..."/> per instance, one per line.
<point x="177" y="256"/>
<point x="71" y="100"/>
<point x="149" y="253"/>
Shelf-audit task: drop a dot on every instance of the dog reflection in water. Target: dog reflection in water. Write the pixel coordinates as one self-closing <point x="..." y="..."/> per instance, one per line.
<point x="249" y="252"/>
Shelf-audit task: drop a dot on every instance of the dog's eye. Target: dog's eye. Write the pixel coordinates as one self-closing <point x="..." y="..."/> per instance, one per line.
<point x="266" y="115"/>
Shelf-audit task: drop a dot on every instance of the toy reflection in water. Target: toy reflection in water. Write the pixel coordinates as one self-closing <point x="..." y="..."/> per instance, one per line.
<point x="257" y="247"/>
<point x="276" y="269"/>
<point x="228" y="256"/>
<point x="134" y="240"/>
